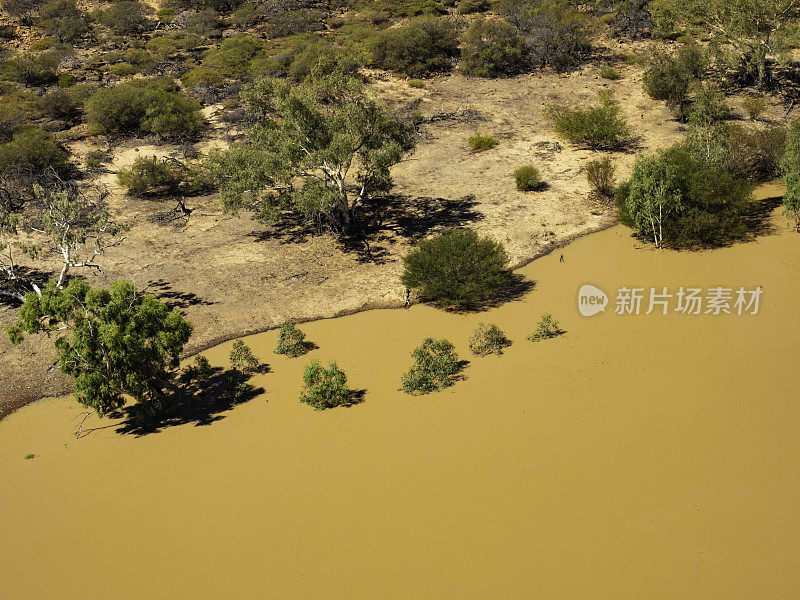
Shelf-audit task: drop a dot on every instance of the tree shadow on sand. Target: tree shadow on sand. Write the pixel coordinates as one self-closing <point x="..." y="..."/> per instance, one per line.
<point x="164" y="291"/>
<point x="382" y="220"/>
<point x="224" y="390"/>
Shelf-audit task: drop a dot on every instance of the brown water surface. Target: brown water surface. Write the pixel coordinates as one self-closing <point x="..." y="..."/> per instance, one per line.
<point x="634" y="457"/>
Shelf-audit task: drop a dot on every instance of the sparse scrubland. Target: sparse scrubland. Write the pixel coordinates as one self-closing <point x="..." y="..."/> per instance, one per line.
<point x="252" y="164"/>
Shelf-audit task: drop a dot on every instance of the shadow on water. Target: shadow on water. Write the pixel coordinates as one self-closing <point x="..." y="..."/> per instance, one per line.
<point x="225" y="389"/>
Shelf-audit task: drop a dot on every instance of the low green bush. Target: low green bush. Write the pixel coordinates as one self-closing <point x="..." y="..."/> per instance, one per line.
<point x="600" y="175"/>
<point x="32" y="69"/>
<point x="488" y="339"/>
<point x="199" y="75"/>
<point x="123" y="69"/>
<point x="163" y="46"/>
<point x="709" y="107"/>
<point x="66" y="80"/>
<point x="546" y="328"/>
<point x="491" y="48"/>
<point x="479" y="142"/>
<point x="790" y="170"/>
<point x="468" y="7"/>
<point x="151" y="176"/>
<point x="63" y="20"/>
<point x="324" y="387"/>
<point x="426" y="45"/>
<point x="309" y="53"/>
<point x="32" y="150"/>
<point x="754" y="105"/>
<point x="234" y="56"/>
<point x="457" y="269"/>
<point x="527" y="178"/>
<point x="291" y="341"/>
<point x="600" y="128"/>
<point x="144" y="105"/>
<point x="611" y="73"/>
<point x="434" y="368"/>
<point x="126" y="17"/>
<point x="59" y="104"/>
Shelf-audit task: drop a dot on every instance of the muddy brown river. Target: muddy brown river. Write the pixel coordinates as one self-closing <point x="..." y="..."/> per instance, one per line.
<point x="634" y="457"/>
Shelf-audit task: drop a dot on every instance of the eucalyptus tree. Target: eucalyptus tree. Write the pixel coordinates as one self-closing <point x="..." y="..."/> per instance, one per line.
<point x="321" y="148"/>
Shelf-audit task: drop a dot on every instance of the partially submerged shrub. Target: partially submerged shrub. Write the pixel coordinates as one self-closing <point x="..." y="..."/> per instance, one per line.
<point x="790" y="169"/>
<point x="491" y="48"/>
<point x="600" y="128"/>
<point x="546" y="328"/>
<point x="754" y="154"/>
<point x="457" y="269"/>
<point x="600" y="175"/>
<point x="291" y="340"/>
<point x="754" y="105"/>
<point x="151" y="176"/>
<point x="488" y="339"/>
<point x="480" y="142"/>
<point x="324" y="387"/>
<point x="426" y="45"/>
<point x="434" y="368"/>
<point x="676" y="197"/>
<point x="527" y="178"/>
<point x="242" y="358"/>
<point x="146" y="105"/>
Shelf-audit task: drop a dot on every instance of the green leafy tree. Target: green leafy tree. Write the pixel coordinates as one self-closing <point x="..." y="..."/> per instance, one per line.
<point x="324" y="387"/>
<point x="115" y="342"/>
<point x="75" y="230"/>
<point x="671" y="77"/>
<point x="790" y="168"/>
<point x="322" y="148"/>
<point x="491" y="48"/>
<point x="654" y="195"/>
<point x="680" y="197"/>
<point x="434" y="368"/>
<point x="751" y="30"/>
<point x="426" y="45"/>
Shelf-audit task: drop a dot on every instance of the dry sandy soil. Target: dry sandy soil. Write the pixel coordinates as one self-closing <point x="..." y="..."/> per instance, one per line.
<point x="232" y="275"/>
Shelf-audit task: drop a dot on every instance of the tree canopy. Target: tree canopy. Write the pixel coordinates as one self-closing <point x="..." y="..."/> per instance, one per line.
<point x="115" y="342"/>
<point x="321" y="148"/>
